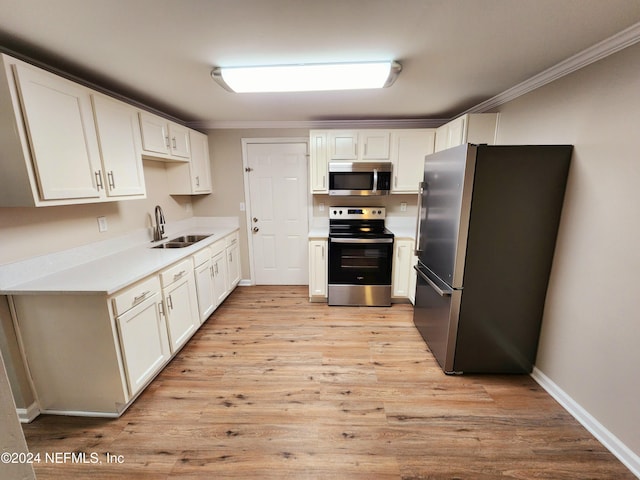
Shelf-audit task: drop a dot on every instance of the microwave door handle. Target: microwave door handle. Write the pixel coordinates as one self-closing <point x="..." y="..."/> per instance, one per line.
<point x="375" y="180"/>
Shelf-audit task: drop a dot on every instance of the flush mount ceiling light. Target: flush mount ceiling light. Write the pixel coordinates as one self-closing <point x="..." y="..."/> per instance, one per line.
<point x="307" y="77"/>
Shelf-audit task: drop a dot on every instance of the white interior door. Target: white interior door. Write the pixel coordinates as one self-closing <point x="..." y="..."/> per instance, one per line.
<point x="277" y="180"/>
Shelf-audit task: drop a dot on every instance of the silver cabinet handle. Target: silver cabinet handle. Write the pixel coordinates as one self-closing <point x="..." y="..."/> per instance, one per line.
<point x="166" y="141"/>
<point x="174" y="142"/>
<point x="197" y="180"/>
<point x="140" y="297"/>
<point x="112" y="182"/>
<point x="170" y="302"/>
<point x="179" y="275"/>
<point x="98" y="175"/>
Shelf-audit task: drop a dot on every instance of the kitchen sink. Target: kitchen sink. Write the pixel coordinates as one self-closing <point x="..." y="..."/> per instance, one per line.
<point x="189" y="238"/>
<point x="182" y="241"/>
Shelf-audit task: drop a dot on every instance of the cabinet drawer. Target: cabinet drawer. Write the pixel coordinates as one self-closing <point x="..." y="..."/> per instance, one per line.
<point x="176" y="272"/>
<point x="232" y="239"/>
<point x="135" y="295"/>
<point x="201" y="257"/>
<point x="218" y="247"/>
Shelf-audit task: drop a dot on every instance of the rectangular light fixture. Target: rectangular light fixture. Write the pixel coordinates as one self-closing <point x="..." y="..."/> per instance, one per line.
<point x="307" y="77"/>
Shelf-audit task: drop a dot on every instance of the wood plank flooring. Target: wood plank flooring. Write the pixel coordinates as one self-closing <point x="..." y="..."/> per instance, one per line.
<point x="275" y="387"/>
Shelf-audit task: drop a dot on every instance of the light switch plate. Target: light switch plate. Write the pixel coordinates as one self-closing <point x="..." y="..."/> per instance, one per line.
<point x="102" y="224"/>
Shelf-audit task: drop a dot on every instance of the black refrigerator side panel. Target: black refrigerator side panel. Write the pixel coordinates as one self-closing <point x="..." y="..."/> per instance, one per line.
<point x="515" y="212"/>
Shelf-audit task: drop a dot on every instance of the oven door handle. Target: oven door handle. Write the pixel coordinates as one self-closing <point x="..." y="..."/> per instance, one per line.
<point x="361" y="240"/>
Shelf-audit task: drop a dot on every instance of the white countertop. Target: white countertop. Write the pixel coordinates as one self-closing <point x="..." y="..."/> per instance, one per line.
<point x="115" y="269"/>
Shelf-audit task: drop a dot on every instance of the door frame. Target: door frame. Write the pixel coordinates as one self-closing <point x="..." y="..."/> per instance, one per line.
<point x="247" y="196"/>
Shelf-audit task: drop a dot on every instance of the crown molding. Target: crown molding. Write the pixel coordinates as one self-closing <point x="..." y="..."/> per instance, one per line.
<point x="322" y="124"/>
<point x="609" y="46"/>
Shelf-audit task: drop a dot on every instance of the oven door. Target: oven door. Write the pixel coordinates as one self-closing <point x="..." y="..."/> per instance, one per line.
<point x="360" y="261"/>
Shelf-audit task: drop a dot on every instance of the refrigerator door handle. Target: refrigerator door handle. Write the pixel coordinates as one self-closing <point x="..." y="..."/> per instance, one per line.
<point x="439" y="291"/>
<point x="421" y="187"/>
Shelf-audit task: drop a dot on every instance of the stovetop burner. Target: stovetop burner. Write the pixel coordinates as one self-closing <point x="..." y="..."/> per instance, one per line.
<point x="360" y="222"/>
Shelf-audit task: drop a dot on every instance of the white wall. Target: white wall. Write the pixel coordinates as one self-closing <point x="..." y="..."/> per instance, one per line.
<point x="590" y="341"/>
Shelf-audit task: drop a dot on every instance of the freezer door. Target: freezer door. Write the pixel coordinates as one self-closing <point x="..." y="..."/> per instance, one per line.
<point x="444" y="212"/>
<point x="435" y="315"/>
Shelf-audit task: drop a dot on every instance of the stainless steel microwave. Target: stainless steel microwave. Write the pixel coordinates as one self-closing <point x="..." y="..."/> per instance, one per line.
<point x="359" y="178"/>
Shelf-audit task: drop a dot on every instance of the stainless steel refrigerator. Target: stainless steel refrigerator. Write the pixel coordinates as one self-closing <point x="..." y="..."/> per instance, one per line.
<point x="487" y="229"/>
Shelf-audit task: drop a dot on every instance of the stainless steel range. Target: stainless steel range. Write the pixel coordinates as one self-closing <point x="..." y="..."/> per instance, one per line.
<point x="360" y="256"/>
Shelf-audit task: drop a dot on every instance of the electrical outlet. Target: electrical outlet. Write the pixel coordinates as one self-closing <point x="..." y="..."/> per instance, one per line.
<point x="242" y="207"/>
<point x="403" y="207"/>
<point x="321" y="207"/>
<point x="102" y="224"/>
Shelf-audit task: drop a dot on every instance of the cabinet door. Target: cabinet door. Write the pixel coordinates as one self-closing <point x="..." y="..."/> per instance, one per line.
<point x="457" y="132"/>
<point x="200" y="164"/>
<point x="408" y="149"/>
<point x="182" y="311"/>
<point x="205" y="290"/>
<point x="318" y="265"/>
<point x="233" y="266"/>
<point x="343" y="145"/>
<point x="318" y="170"/>
<point x="179" y="141"/>
<point x="402" y="267"/>
<point x="120" y="148"/>
<point x="374" y="144"/>
<point x="62" y="135"/>
<point x="155" y="134"/>
<point x="144" y="342"/>
<point x="220" y="283"/>
<point x="442" y="137"/>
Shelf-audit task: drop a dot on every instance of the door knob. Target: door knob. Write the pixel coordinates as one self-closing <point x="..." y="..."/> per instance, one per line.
<point x="255" y="220"/>
<point x="256" y="229"/>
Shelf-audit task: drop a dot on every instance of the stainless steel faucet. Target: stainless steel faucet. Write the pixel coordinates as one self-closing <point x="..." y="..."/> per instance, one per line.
<point x="158" y="230"/>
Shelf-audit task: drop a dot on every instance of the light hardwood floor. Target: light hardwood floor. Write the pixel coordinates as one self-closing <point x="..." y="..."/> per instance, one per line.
<point x="275" y="387"/>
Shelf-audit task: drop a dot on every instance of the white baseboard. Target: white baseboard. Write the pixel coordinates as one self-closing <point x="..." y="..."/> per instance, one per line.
<point x="28" y="415"/>
<point x="630" y="459"/>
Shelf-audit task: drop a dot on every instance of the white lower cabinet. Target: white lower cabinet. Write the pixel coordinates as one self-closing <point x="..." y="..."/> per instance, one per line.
<point x="217" y="273"/>
<point x="92" y="354"/>
<point x="233" y="261"/>
<point x="403" y="276"/>
<point x="318" y="270"/>
<point x="144" y="342"/>
<point x="207" y="301"/>
<point x="220" y="277"/>
<point x="181" y="303"/>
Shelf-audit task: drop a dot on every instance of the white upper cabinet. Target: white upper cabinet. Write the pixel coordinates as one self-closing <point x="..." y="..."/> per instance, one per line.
<point x="318" y="171"/>
<point x="373" y="144"/>
<point x="470" y="128"/>
<point x="405" y="148"/>
<point x="358" y="145"/>
<point x="61" y="133"/>
<point x="120" y="148"/>
<point x="164" y="140"/>
<point x="63" y="143"/>
<point x="408" y="149"/>
<point x="194" y="177"/>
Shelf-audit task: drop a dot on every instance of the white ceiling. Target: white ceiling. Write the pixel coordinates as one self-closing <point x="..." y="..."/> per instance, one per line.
<point x="455" y="53"/>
